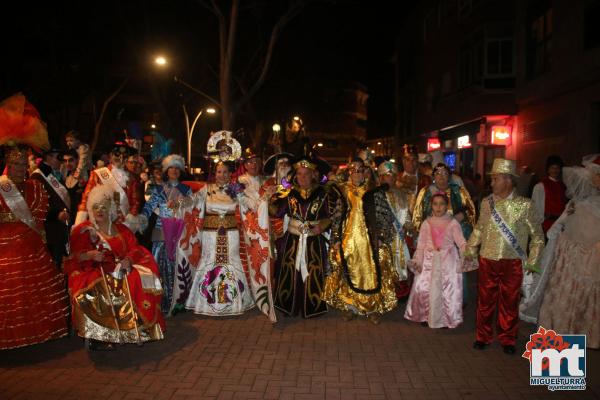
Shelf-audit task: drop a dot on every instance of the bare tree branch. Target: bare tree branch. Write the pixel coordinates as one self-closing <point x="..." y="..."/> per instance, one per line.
<point x="104" y="107"/>
<point x="206" y="5"/>
<point x="200" y="92"/>
<point x="291" y="13"/>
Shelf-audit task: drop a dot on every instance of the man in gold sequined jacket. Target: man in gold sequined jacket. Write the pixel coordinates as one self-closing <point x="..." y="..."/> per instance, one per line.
<point x="506" y="224"/>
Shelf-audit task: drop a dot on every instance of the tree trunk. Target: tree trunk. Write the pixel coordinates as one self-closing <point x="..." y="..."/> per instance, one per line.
<point x="101" y="117"/>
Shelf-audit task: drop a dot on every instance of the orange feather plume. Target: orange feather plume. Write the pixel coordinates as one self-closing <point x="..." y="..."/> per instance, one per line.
<point x="20" y="124"/>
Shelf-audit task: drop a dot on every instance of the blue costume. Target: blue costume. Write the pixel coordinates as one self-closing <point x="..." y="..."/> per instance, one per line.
<point x="159" y="197"/>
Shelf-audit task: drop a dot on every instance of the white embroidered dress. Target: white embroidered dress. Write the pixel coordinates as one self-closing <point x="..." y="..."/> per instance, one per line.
<point x="219" y="285"/>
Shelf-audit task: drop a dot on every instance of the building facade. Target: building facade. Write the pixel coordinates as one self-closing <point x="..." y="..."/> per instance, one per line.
<point x="479" y="79"/>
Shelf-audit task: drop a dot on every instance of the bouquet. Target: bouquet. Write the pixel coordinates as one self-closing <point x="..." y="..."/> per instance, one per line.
<point x="234" y="189"/>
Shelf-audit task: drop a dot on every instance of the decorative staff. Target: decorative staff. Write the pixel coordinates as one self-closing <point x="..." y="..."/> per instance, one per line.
<point x="117" y="199"/>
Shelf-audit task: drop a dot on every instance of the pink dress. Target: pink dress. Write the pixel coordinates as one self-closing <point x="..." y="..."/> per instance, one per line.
<point x="436" y="294"/>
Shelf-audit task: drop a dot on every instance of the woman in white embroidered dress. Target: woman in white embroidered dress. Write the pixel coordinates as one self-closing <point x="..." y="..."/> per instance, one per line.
<point x="219" y="286"/>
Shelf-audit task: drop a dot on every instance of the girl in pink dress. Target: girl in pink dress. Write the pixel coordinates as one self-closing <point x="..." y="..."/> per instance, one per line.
<point x="436" y="294"/>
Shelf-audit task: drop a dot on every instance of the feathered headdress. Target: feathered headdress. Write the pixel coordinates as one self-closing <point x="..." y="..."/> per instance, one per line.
<point x="20" y="124"/>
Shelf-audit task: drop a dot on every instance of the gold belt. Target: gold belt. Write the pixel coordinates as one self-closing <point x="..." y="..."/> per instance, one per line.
<point x="215" y="221"/>
<point x="8" y="217"/>
<point x="297" y="227"/>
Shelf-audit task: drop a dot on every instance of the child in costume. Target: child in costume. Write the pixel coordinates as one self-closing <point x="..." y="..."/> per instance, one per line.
<point x="436" y="294"/>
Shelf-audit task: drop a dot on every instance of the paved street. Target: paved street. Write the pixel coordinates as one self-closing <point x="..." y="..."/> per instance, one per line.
<point x="247" y="357"/>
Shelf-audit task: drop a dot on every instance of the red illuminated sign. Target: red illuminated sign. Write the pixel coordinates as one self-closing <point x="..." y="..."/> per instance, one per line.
<point x="433" y="144"/>
<point x="501" y="134"/>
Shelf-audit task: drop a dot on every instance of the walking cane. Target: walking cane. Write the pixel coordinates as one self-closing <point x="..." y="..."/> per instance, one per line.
<point x="133" y="312"/>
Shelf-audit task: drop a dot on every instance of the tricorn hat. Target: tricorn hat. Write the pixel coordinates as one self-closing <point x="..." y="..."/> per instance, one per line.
<point x="504" y="166"/>
<point x="313" y="162"/>
<point x="122" y="147"/>
<point x="271" y="162"/>
<point x="250" y="153"/>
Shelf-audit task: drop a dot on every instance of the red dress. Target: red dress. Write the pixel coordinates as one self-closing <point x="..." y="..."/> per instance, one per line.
<point x="33" y="300"/>
<point x="85" y="282"/>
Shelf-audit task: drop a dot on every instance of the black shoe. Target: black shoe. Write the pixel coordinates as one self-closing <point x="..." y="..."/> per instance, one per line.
<point x="479" y="345"/>
<point x="509" y="349"/>
<point x="96" y="345"/>
<point x="425" y="324"/>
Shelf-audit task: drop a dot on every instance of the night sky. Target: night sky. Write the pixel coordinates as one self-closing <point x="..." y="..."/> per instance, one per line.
<point x="59" y="52"/>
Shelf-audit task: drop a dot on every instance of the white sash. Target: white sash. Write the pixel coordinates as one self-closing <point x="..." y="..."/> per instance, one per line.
<point x="107" y="178"/>
<point x="17" y="204"/>
<point x="60" y="190"/>
<point x="506" y="232"/>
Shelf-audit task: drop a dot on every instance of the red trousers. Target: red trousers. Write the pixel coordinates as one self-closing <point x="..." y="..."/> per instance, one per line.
<point x="499" y="288"/>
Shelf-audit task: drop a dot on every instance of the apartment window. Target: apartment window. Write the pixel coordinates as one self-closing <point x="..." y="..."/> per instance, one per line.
<point x="539" y="54"/>
<point x="499" y="57"/>
<point x="591" y="27"/>
<point x="471" y="60"/>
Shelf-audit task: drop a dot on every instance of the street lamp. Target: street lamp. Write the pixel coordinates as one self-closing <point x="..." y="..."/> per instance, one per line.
<point x="160" y="60"/>
<point x="190" y="130"/>
<point x="276" y="128"/>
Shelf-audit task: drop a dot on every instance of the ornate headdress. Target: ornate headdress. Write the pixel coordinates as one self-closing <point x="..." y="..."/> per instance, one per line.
<point x="20" y="124"/>
<point x="305" y="163"/>
<point x="250" y="153"/>
<point x="222" y="146"/>
<point x="102" y="195"/>
<point x="122" y="148"/>
<point x="386" y="167"/>
<point x="592" y="162"/>
<point x="15" y="152"/>
<point x="441" y="168"/>
<point x="356" y="165"/>
<point x="173" y="160"/>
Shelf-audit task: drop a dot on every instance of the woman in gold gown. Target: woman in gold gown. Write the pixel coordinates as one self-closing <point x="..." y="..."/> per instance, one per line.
<point x="359" y="284"/>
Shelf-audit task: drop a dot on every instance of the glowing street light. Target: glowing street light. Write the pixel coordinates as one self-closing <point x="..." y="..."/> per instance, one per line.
<point x="153" y="126"/>
<point x="190" y="130"/>
<point x="276" y="128"/>
<point x="160" y="60"/>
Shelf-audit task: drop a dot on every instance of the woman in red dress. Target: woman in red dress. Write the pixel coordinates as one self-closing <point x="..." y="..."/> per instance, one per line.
<point x="113" y="281"/>
<point x="33" y="301"/>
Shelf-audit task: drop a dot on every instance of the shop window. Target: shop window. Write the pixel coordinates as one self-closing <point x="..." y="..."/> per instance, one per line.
<point x="539" y="39"/>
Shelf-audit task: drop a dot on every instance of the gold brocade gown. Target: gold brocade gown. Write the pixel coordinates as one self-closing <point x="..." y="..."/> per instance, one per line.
<point x="354" y="283"/>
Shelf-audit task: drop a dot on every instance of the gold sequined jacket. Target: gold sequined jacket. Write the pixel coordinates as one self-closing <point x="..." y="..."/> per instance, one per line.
<point x="519" y="213"/>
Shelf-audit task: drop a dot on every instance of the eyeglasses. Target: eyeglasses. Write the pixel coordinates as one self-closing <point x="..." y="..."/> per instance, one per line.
<point x="68" y="159"/>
